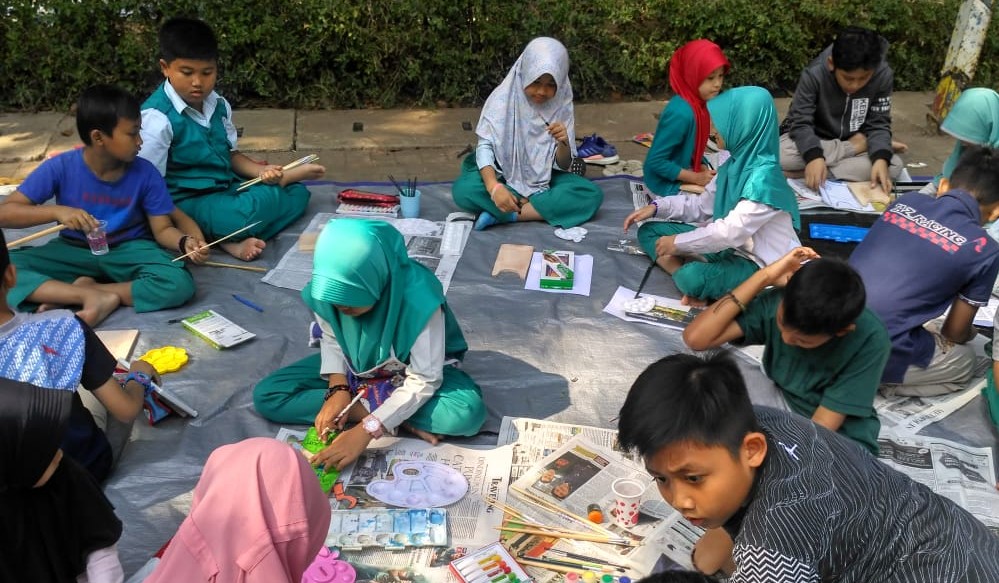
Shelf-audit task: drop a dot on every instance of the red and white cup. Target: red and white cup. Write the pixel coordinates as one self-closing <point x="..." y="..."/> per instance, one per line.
<point x="627" y="498"/>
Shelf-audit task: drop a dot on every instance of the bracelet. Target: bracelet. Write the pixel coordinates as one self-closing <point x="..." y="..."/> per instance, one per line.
<point x="335" y="389"/>
<point x="141" y="378"/>
<point x="182" y="243"/>
<point x="655" y="203"/>
<point x="735" y="300"/>
<point x="495" y="186"/>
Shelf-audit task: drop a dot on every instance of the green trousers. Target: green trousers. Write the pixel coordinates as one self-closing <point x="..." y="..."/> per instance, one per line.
<point x="157" y="282"/>
<point x="222" y="213"/>
<point x="294" y="394"/>
<point x="722" y="273"/>
<point x="570" y="200"/>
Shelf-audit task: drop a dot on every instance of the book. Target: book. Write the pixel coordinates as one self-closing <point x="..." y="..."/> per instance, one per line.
<point x="217" y="330"/>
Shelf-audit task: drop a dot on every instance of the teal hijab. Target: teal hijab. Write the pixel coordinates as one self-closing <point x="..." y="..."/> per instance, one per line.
<point x="973" y="119"/>
<point x="360" y="263"/>
<point x="747" y="120"/>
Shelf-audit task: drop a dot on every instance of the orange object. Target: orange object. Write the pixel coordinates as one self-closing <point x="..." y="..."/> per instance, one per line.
<point x="594" y="514"/>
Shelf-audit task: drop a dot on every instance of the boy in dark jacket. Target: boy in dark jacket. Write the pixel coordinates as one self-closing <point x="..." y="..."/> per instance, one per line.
<point x="839" y="124"/>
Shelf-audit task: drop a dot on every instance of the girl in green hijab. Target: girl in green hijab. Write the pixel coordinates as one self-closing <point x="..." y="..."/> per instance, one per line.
<point x="387" y="329"/>
<point x="747" y="217"/>
<point x="973" y="120"/>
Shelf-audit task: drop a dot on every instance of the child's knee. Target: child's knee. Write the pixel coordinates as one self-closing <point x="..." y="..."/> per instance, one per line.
<point x="163" y="290"/>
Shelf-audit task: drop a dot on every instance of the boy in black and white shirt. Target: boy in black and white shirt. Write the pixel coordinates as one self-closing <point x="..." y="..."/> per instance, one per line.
<point x="802" y="504"/>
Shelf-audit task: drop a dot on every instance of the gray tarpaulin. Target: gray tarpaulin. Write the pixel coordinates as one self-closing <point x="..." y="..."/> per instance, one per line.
<point x="535" y="354"/>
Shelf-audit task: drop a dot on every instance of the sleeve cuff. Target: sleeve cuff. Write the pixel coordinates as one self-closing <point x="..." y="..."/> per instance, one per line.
<point x="812" y="154"/>
<point x="881" y="155"/>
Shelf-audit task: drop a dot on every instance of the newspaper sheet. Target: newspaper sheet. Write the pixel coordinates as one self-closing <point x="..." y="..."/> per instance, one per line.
<point x="957" y="471"/>
<point x="909" y="415"/>
<point x="437" y="245"/>
<point x="471" y="522"/>
<point x="668" y="539"/>
<point x="581" y="473"/>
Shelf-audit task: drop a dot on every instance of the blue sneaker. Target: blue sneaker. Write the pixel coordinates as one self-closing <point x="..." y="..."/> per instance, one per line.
<point x="596" y="150"/>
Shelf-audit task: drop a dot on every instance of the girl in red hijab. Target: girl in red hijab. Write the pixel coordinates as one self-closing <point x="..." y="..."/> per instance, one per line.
<point x="696" y="73"/>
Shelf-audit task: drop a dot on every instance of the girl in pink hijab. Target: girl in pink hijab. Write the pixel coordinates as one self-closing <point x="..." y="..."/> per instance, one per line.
<point x="258" y="515"/>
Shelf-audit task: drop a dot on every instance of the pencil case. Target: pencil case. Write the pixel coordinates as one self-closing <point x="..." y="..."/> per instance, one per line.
<point x="352" y="196"/>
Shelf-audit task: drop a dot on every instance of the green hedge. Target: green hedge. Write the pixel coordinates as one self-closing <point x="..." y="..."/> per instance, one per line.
<point x="382" y="53"/>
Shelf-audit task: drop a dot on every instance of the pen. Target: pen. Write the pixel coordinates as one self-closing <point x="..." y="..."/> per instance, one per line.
<point x="247" y="302"/>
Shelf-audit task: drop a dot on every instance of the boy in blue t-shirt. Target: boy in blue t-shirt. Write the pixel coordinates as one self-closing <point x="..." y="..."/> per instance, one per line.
<point x="103" y="181"/>
<point x="926" y="256"/>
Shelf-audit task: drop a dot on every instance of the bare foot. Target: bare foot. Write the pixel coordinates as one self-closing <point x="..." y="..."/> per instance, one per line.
<point x="97" y="305"/>
<point x="899" y="147"/>
<point x="693" y="302"/>
<point x="303" y="172"/>
<point x="859" y="142"/>
<point x="246" y="250"/>
<point x="430" y="438"/>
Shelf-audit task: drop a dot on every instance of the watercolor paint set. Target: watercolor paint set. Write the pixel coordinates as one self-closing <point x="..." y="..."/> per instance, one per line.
<point x="490" y="564"/>
<point x="388" y="528"/>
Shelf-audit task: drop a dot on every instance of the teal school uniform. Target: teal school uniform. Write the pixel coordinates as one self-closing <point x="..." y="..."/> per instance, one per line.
<point x="570" y="200"/>
<point x="202" y="183"/>
<point x="841" y="375"/>
<point x="671" y="149"/>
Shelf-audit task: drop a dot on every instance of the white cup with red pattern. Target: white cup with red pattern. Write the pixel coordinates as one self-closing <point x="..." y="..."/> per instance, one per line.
<point x="627" y="498"/>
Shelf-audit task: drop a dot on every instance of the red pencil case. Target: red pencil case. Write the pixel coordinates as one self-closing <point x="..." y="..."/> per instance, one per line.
<point x="351" y="196"/>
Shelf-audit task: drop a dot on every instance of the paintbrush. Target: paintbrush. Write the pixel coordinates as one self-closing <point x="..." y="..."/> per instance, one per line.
<point x="33" y="236"/>
<point x="303" y="160"/>
<point x="596" y="538"/>
<point x="236" y="232"/>
<point x="397" y="187"/>
<point x="589" y="564"/>
<point x="645" y="278"/>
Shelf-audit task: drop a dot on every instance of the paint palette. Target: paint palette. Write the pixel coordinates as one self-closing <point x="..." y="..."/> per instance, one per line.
<point x="420" y="485"/>
<point x="389" y="528"/>
<point x="329" y="568"/>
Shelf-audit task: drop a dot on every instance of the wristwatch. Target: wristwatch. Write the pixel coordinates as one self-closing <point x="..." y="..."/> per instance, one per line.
<point x="373" y="426"/>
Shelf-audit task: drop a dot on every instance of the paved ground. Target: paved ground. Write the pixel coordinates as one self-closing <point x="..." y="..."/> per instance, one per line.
<point x="417" y="142"/>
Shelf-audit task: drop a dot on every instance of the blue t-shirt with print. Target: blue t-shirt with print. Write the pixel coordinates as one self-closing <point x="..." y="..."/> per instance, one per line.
<point x="124" y="204"/>
<point x="920" y="256"/>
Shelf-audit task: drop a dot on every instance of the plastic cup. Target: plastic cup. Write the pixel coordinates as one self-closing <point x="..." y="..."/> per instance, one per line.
<point x="98" y="239"/>
<point x="410" y="205"/>
<point x="627" y="497"/>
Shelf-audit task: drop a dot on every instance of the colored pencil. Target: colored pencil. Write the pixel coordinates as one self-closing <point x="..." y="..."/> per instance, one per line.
<point x="33" y="236"/>
<point x="216" y="241"/>
<point x="234" y="266"/>
<point x="304" y="160"/>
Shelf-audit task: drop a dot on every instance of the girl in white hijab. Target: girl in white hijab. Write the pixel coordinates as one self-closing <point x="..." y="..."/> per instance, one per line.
<point x="519" y="171"/>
